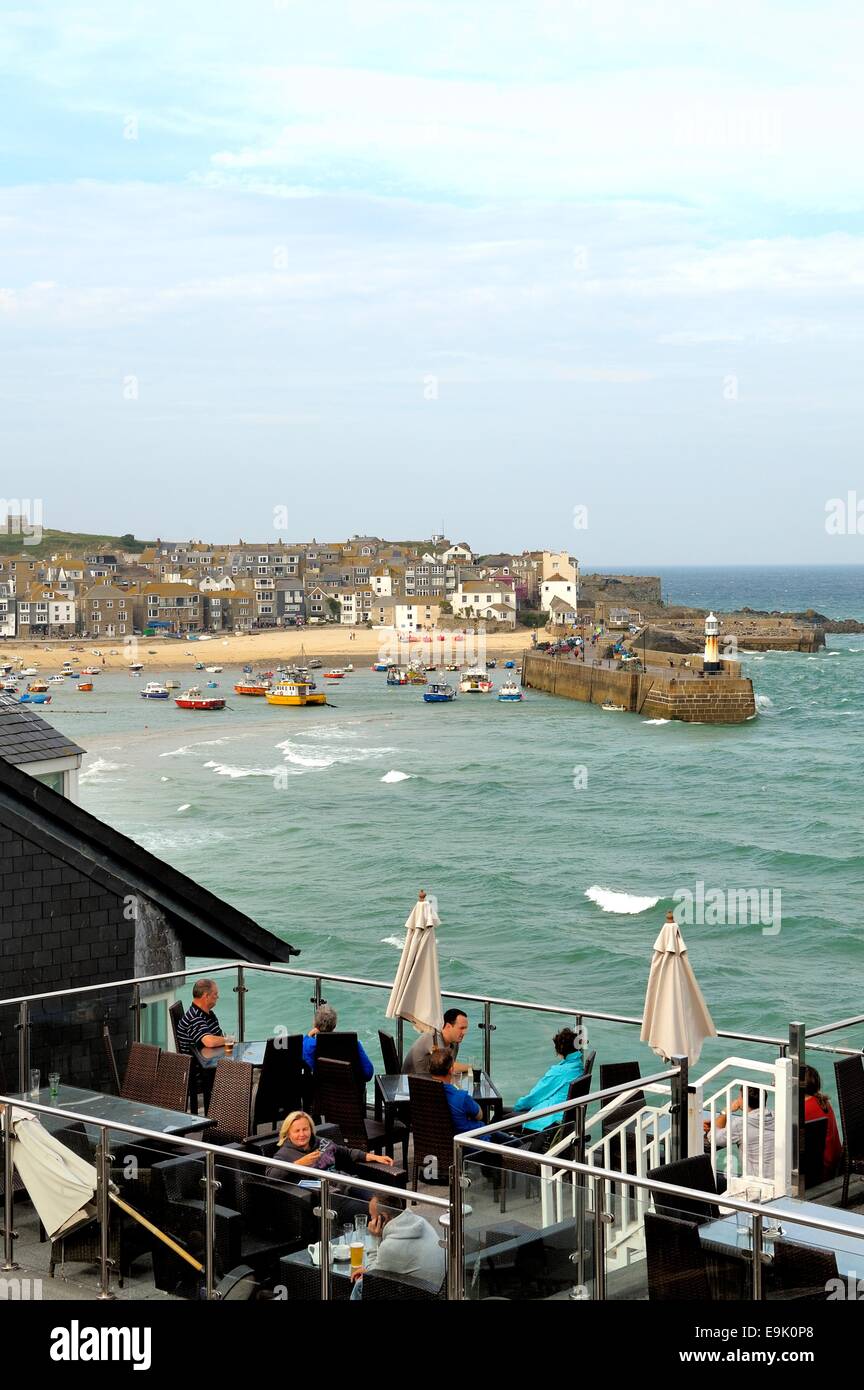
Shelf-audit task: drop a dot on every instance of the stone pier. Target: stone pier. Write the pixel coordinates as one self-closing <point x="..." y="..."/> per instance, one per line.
<point x="655" y="694"/>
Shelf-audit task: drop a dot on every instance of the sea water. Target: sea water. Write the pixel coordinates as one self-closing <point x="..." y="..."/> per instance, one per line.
<point x="554" y="834"/>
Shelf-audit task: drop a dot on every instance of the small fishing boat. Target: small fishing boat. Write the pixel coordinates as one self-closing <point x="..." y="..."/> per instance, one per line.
<point x="153" y="691"/>
<point x="199" y="665"/>
<point x="85" y="685"/>
<point x="169" y="685"/>
<point x="295" y="692"/>
<point x="90" y="670"/>
<point x="452" y="666"/>
<point x="30" y="699"/>
<point x="247" y="670"/>
<point x="313" y="663"/>
<point x="509" y="665"/>
<point x="334" y="675"/>
<point x="61" y="677"/>
<point x="193" y="699"/>
<point x="10" y="687"/>
<point x="212" y="685"/>
<point x="415" y="676"/>
<point x="30" y="671"/>
<point x="610" y="705"/>
<point x="37" y="688"/>
<point x="510" y="691"/>
<point x="136" y="666"/>
<point x="256" y="687"/>
<point x="349" y="667"/>
<point x="214" y="670"/>
<point x="439" y="694"/>
<point x="396" y="676"/>
<point x="475" y="682"/>
<point x="379" y="666"/>
<point x="490" y="665"/>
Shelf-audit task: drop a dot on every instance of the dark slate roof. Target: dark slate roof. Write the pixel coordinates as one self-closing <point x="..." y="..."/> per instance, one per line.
<point x="206" y="925"/>
<point x="25" y="738"/>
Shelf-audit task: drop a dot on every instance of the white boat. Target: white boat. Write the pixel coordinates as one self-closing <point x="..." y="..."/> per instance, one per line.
<point x="29" y="671"/>
<point x="153" y="691"/>
<point x="136" y="665"/>
<point x="172" y="685"/>
<point x="510" y="691"/>
<point x="610" y="705"/>
<point x="475" y="682"/>
<point x="214" y="670"/>
<point x="61" y="678"/>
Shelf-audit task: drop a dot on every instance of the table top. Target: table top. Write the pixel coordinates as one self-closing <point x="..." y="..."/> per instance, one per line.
<point x="252" y="1052"/>
<point x="394" y="1088"/>
<point x="125" y="1112"/>
<point x="848" y="1249"/>
<point x="304" y="1259"/>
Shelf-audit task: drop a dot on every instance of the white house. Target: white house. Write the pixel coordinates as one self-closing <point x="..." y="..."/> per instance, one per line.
<point x="480" y="598"/>
<point x="411" y="615"/>
<point x="7" y="611"/>
<point x="557" y="586"/>
<point x="460" y="554"/>
<point x="562" y="614"/>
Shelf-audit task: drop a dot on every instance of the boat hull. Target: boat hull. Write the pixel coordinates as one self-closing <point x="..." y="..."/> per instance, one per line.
<point x="313" y="699"/>
<point x="200" y="704"/>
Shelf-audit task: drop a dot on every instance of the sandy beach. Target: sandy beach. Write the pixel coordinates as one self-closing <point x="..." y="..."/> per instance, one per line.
<point x="263" y="650"/>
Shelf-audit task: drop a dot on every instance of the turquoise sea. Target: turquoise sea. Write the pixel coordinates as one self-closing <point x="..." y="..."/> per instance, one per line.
<point x="284" y="813"/>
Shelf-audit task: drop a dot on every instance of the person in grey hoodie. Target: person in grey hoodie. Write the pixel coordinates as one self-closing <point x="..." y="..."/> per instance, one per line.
<point x="401" y="1242"/>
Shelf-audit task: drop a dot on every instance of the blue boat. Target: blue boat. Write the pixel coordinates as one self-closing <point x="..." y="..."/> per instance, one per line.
<point x="28" y="699"/>
<point x="509" y="665"/>
<point x="510" y="691"/>
<point x="439" y="694"/>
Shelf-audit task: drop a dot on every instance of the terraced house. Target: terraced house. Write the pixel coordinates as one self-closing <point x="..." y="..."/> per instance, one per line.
<point x="174" y="607"/>
<point x="109" y="611"/>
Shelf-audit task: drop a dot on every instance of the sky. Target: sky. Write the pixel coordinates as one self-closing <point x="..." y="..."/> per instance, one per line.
<point x="544" y="273"/>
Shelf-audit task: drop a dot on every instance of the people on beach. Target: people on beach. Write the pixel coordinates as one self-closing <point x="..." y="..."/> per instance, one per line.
<point x="326" y="1019"/>
<point x="455" y="1027"/>
<point x="817" y="1106"/>
<point x="554" y="1083"/>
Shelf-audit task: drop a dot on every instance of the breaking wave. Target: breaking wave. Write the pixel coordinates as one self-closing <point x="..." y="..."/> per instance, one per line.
<point x="623" y="904"/>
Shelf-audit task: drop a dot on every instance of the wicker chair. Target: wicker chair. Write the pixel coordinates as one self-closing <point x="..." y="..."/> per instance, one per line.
<point x="281" y="1083"/>
<point x="341" y="1047"/>
<point x="800" y="1273"/>
<point x="676" y="1262"/>
<point x="171" y="1090"/>
<point x="231" y="1102"/>
<point x="401" y="1287"/>
<point x="389" y="1053"/>
<point x="342" y="1106"/>
<point x="815" y="1135"/>
<point x="301" y="1281"/>
<point x="179" y="1210"/>
<point x="433" y="1129"/>
<point x="695" y="1173"/>
<point x="615" y="1074"/>
<point x="140" y="1075"/>
<point x="175" y="1013"/>
<point x="850" y="1092"/>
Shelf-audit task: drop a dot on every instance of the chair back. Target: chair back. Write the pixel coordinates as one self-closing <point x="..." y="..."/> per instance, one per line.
<point x="341" y="1047"/>
<point x="432" y="1124"/>
<point x="140" y="1076"/>
<point x="280" y="1084"/>
<point x="402" y="1287"/>
<point x="815" y="1136"/>
<point x="589" y="1058"/>
<point x="802" y="1271"/>
<point x="339" y="1101"/>
<point x="231" y="1101"/>
<point x="849" y="1075"/>
<point x="675" y="1260"/>
<point x="615" y="1074"/>
<point x="696" y="1173"/>
<point x="175" y="1013"/>
<point x="389" y="1053"/>
<point x="171" y="1089"/>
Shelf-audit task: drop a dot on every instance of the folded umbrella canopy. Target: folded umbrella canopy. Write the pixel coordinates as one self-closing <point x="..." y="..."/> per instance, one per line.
<point x="416" y="993"/>
<point x="60" y="1184"/>
<point x="675" y="1021"/>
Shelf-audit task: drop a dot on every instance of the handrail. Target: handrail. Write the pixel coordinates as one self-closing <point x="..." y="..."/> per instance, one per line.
<point x="835" y="1027"/>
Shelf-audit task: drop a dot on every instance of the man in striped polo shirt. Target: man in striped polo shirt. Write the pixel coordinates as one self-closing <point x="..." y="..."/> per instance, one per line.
<point x="199" y="1027"/>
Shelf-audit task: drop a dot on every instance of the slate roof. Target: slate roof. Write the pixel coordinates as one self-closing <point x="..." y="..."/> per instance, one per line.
<point x="25" y="738"/>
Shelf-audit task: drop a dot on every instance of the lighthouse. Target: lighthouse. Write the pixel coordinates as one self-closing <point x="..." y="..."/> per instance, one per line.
<point x="711" y="662"/>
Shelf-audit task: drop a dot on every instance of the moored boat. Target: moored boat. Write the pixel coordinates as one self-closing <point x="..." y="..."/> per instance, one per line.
<point x="510" y="691"/>
<point x="396" y="676"/>
<point x="29" y="699"/>
<point x="37" y="688"/>
<point x="379" y="666"/>
<point x="90" y="670"/>
<point x="610" y="705"/>
<point x="136" y="666"/>
<point x="438" y="694"/>
<point x="334" y="675"/>
<point x="295" y="692"/>
<point x="193" y="699"/>
<point x="85" y="685"/>
<point x="415" y="676"/>
<point x="252" y="687"/>
<point x="169" y="685"/>
<point x="153" y="691"/>
<point x="475" y="682"/>
<point x="214" y="670"/>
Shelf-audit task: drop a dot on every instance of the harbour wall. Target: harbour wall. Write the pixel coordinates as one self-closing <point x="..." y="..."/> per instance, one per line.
<point x="725" y="699"/>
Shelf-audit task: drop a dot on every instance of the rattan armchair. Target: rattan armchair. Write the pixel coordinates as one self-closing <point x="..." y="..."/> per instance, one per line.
<point x="676" y="1261"/>
<point x="433" y="1129"/>
<point x="801" y="1273"/>
<point x="171" y="1089"/>
<point x="231" y="1102"/>
<point x="140" y="1075"/>
<point x="281" y="1084"/>
<point x="849" y="1074"/>
<point x="341" y="1105"/>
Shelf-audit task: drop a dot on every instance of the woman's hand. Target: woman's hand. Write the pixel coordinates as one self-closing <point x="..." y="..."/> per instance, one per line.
<point x="380" y="1158"/>
<point x="309" y="1158"/>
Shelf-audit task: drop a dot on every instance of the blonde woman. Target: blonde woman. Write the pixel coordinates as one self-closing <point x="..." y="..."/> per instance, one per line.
<point x="297" y="1144"/>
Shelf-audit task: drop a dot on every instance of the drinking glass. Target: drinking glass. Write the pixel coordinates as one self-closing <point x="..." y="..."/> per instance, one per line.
<point x="54" y="1082"/>
<point x="35" y="1077"/>
<point x="361" y="1224"/>
<point x="357" y="1252"/>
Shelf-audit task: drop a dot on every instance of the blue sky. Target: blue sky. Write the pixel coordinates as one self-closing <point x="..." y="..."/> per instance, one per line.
<point x="393" y="264"/>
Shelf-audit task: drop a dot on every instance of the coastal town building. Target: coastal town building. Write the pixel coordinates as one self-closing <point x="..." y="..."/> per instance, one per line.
<point x="38" y="748"/>
<point x="478" y="598"/>
<point x="8" y="612"/>
<point x="557" y="586"/>
<point x="110" y="611"/>
<point x="177" y="607"/>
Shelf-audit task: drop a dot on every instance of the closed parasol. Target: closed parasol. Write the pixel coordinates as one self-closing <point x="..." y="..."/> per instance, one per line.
<point x="416" y="993"/>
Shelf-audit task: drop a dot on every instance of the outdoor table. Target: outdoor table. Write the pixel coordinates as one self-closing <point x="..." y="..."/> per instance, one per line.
<point x="391" y="1091"/>
<point x="302" y="1278"/>
<point x="252" y="1052"/>
<point x="125" y="1112"/>
<point x="735" y="1240"/>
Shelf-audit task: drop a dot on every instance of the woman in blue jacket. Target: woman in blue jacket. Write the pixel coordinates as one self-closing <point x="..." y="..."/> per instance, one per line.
<point x="554" y="1083"/>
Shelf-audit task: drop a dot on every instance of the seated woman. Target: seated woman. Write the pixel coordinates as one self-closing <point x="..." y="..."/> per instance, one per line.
<point x="817" y="1106"/>
<point x="297" y="1144"/>
<point x="553" y="1085"/>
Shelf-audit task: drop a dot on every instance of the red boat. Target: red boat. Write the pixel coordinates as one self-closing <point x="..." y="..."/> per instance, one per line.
<point x="193" y="699"/>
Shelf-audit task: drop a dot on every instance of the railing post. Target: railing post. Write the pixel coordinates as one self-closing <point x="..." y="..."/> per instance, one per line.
<point x="9" y="1233"/>
<point x="211" y="1187"/>
<point x="756" y="1228"/>
<point x="678" y="1109"/>
<point x="103" y="1204"/>
<point x="23" y="1026"/>
<point x="400" y="1036"/>
<point x="316" y="999"/>
<point x="797" y="1055"/>
<point x="488" y="1029"/>
<point x="326" y="1216"/>
<point x="136" y="1013"/>
<point x="456" y="1231"/>
<point x="599" y="1185"/>
<point x="241" y="990"/>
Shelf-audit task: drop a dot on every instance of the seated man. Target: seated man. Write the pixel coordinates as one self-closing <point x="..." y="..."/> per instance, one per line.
<point x="466" y="1113"/>
<point x="199" y="1027"/>
<point x="760" y="1134"/>
<point x="325" y="1022"/>
<point x="455" y="1027"/>
<point x="401" y="1242"/>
